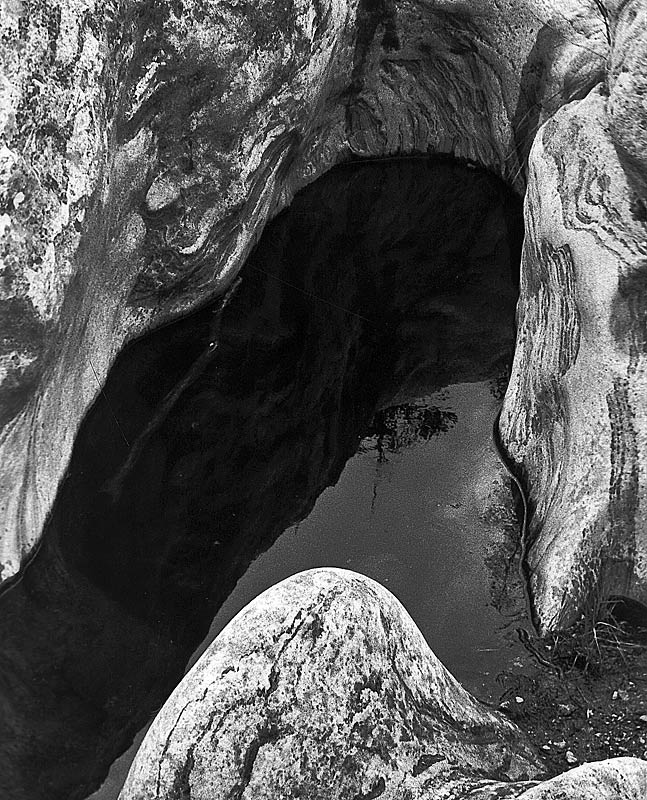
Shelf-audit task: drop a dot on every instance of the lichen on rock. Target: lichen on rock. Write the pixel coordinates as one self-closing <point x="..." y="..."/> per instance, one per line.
<point x="323" y="687"/>
<point x="143" y="147"/>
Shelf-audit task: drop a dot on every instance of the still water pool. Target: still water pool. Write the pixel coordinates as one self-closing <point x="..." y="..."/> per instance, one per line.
<point x="419" y="508"/>
<point x="337" y="411"/>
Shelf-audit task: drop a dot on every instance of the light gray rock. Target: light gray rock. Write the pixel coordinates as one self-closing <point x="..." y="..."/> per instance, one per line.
<point x="574" y="414"/>
<point x="323" y="687"/>
<point x="613" y="779"/>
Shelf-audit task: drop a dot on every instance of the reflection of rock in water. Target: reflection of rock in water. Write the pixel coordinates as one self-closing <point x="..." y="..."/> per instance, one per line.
<point x="400" y="426"/>
<point x="312" y="343"/>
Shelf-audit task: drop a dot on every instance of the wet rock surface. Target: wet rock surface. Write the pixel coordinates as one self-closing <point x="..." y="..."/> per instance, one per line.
<point x="144" y="148"/>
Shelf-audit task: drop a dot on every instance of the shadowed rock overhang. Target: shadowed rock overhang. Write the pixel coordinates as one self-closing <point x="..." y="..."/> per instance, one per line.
<point x="145" y="146"/>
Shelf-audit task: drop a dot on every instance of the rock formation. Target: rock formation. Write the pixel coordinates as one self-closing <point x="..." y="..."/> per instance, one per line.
<point x="575" y="413"/>
<point x="145" y="148"/>
<point x="141" y="551"/>
<point x="323" y="687"/>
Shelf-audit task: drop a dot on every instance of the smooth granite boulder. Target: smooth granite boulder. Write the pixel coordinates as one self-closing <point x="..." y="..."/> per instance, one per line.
<point x="575" y="415"/>
<point x="323" y="687"/>
<point x="613" y="779"/>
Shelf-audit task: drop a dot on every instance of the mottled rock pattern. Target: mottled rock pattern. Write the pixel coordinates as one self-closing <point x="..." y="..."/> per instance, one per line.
<point x="144" y="146"/>
<point x="575" y="415"/>
<point x="140" y="552"/>
<point x="613" y="779"/>
<point x="323" y="687"/>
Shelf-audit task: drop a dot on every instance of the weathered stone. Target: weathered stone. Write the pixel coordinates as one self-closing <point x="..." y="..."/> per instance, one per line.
<point x="141" y="550"/>
<point x="613" y="779"/>
<point x="323" y="687"/>
<point x="574" y="414"/>
<point x="627" y="81"/>
<point x="146" y="146"/>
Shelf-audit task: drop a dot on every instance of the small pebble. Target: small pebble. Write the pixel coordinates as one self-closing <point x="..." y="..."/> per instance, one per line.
<point x="643" y="718"/>
<point x="519" y="699"/>
<point x="571" y="758"/>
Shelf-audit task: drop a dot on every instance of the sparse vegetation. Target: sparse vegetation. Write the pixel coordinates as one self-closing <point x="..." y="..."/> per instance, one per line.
<point x="586" y="700"/>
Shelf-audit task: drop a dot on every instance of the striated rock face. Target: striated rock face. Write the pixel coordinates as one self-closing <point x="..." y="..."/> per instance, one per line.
<point x="575" y="414"/>
<point x="144" y="148"/>
<point x="323" y="687"/>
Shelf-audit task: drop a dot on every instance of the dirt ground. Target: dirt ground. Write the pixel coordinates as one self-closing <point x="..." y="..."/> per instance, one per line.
<point x="581" y="694"/>
<point x="586" y="699"/>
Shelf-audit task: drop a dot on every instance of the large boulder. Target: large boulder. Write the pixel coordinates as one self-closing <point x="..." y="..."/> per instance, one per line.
<point x="323" y="687"/>
<point x="575" y="416"/>
<point x="613" y="779"/>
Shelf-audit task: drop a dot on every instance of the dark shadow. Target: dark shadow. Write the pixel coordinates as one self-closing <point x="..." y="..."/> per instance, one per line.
<point x="376" y="276"/>
<point x="629" y="614"/>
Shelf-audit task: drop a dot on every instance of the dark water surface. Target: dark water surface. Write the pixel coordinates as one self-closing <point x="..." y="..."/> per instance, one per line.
<point x="374" y="322"/>
<point x="414" y="516"/>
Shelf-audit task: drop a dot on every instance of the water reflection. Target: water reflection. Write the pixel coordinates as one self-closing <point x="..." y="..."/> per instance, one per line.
<point x="379" y="281"/>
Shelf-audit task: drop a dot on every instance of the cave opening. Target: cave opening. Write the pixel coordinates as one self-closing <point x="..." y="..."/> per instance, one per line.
<point x="368" y="341"/>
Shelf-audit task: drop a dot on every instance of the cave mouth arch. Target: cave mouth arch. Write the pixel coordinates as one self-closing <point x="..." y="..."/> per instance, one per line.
<point x="379" y="276"/>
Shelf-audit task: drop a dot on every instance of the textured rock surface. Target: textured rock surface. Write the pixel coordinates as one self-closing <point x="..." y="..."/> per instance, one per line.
<point x="140" y="552"/>
<point x="575" y="414"/>
<point x="145" y="146"/>
<point x="614" y="779"/>
<point x="323" y="687"/>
